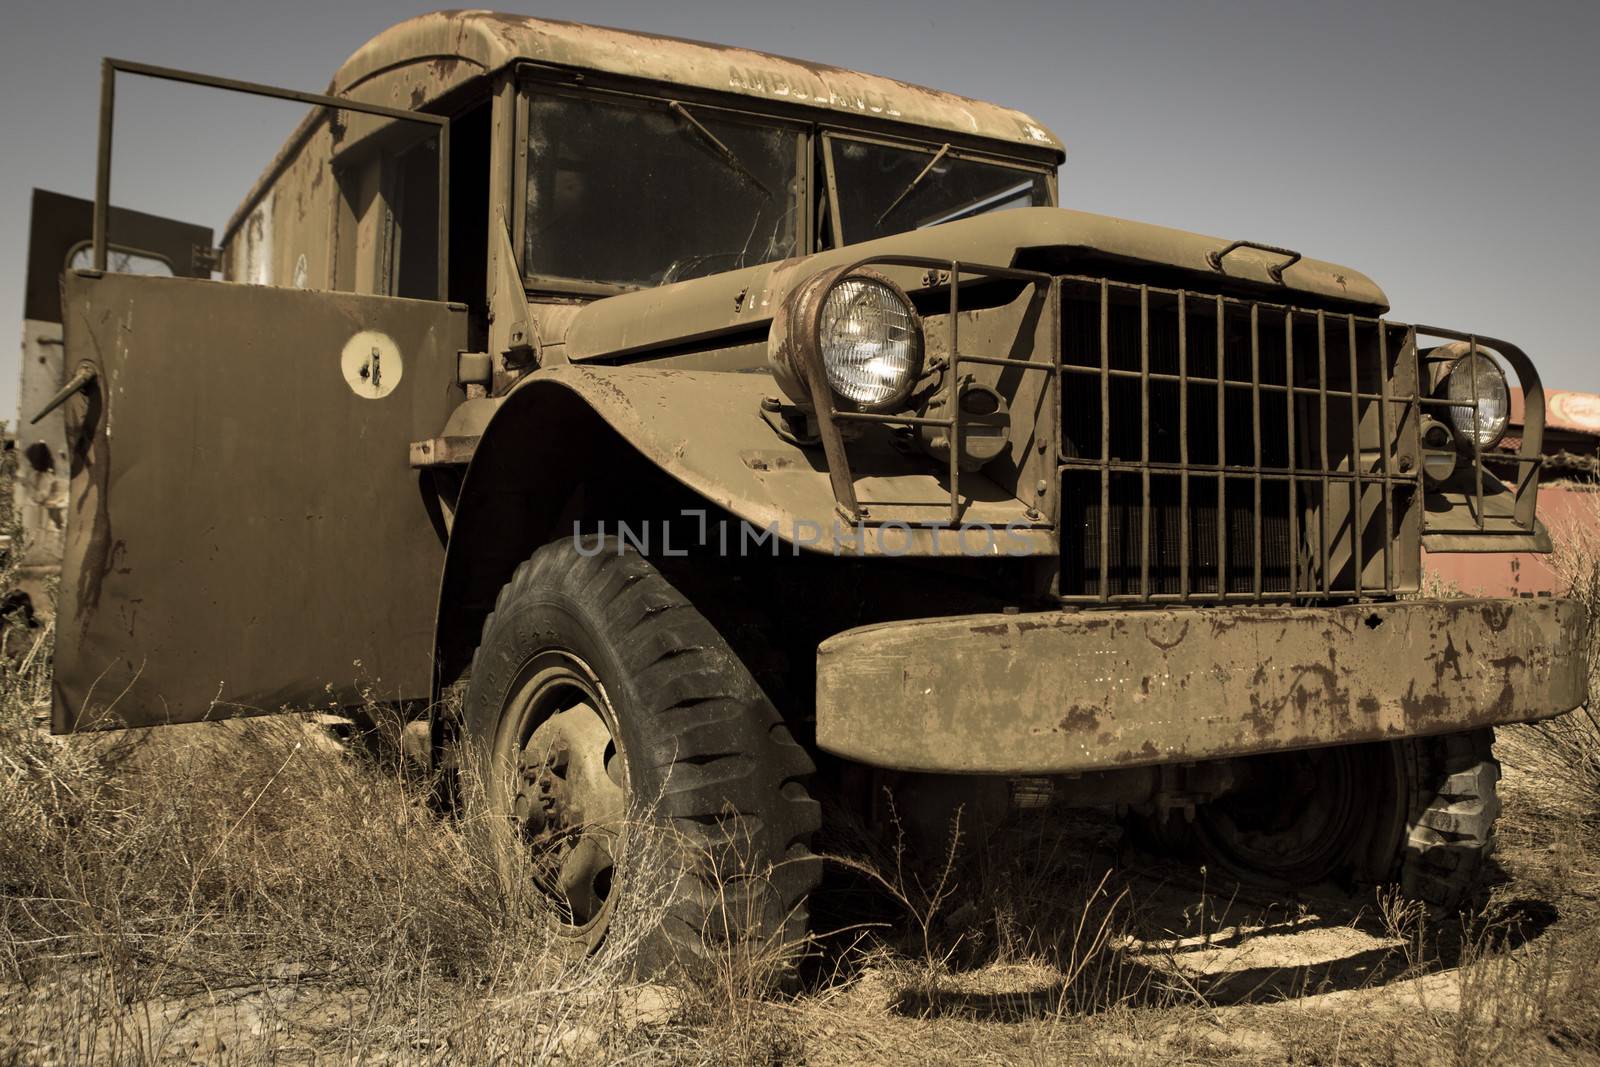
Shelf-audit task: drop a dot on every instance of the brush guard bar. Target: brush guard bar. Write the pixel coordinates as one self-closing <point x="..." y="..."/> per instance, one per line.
<point x="1347" y="393"/>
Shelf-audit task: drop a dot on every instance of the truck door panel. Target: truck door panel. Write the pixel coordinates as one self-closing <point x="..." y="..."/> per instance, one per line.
<point x="244" y="531"/>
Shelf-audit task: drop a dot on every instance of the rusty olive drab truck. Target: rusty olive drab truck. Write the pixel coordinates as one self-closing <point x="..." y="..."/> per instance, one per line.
<point x="701" y="432"/>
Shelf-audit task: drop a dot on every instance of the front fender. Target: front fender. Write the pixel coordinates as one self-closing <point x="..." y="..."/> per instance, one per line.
<point x="706" y="431"/>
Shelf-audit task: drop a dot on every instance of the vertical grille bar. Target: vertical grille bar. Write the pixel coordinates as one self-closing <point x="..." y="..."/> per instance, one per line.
<point x="1105" y="439"/>
<point x="1294" y="453"/>
<point x="1322" y="425"/>
<point x="1222" y="454"/>
<point x="1058" y="377"/>
<point x="1477" y="452"/>
<point x="1386" y="438"/>
<point x="1145" y="503"/>
<point x="954" y="395"/>
<point x="1185" y="586"/>
<point x="1358" y="523"/>
<point x="1255" y="433"/>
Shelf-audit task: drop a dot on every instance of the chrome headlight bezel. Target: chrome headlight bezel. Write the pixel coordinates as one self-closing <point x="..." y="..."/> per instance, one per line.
<point x="799" y="343"/>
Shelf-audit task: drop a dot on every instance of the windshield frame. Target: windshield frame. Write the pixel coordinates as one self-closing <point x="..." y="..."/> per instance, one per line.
<point x="829" y="136"/>
<point x="814" y="128"/>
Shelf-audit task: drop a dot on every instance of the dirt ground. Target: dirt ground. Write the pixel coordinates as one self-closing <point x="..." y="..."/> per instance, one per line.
<point x="1085" y="953"/>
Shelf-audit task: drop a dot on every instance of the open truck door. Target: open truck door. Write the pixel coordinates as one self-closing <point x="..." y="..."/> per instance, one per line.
<point x="244" y="531"/>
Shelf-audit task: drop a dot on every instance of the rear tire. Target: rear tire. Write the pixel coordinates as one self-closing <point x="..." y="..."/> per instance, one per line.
<point x="1450" y="832"/>
<point x="1419" y="813"/>
<point x="603" y="708"/>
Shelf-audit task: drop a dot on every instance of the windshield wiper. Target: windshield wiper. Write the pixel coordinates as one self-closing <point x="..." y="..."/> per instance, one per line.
<point x="723" y="150"/>
<point x="912" y="186"/>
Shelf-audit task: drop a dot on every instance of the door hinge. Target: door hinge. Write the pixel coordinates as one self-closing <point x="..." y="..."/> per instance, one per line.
<point x="207" y="260"/>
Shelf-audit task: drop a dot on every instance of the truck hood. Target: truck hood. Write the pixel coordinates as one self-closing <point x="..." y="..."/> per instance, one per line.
<point x="738" y="303"/>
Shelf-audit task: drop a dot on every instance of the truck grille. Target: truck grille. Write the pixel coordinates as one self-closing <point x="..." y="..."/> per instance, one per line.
<point x="1220" y="449"/>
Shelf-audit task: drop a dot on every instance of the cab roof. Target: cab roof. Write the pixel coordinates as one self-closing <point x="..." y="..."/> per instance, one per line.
<point x="461" y="44"/>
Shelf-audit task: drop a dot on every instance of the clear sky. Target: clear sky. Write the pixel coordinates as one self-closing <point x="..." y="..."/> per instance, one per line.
<point x="1450" y="150"/>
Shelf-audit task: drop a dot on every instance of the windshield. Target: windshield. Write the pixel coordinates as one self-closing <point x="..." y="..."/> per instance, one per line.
<point x="632" y="193"/>
<point x="886" y="189"/>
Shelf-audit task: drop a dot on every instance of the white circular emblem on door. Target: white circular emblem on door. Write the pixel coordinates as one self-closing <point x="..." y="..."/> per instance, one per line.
<point x="371" y="364"/>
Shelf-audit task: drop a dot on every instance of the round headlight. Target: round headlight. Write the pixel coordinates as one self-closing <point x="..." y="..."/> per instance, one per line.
<point x="1476" y="376"/>
<point x="851" y="333"/>
<point x="871" y="345"/>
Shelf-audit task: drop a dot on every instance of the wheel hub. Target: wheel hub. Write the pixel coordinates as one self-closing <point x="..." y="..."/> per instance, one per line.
<point x="1296" y="820"/>
<point x="569" y="803"/>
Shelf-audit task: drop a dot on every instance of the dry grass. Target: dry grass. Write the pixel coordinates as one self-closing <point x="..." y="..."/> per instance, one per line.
<point x="261" y="892"/>
<point x="257" y="890"/>
<point x="1568" y="749"/>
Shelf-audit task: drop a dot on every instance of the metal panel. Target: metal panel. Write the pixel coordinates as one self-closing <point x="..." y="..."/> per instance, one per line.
<point x="1106" y="689"/>
<point x="58" y="224"/>
<point x="447" y="47"/>
<point x="646" y="320"/>
<point x="245" y="532"/>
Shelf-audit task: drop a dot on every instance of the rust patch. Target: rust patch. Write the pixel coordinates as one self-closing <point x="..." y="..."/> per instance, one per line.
<point x="1302" y="694"/>
<point x="444" y="67"/>
<point x="1168" y="646"/>
<point x="1448" y="659"/>
<point x="1424" y="709"/>
<point x="1221" y="623"/>
<point x="1260" y="718"/>
<point x="1080" y="718"/>
<point x="1496" y="615"/>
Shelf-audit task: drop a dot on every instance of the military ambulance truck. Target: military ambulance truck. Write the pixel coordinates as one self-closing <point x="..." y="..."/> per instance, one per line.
<point x="706" y="437"/>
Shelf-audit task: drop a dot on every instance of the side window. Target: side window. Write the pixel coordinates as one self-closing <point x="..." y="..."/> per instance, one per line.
<point x="388" y="236"/>
<point x="121" y="259"/>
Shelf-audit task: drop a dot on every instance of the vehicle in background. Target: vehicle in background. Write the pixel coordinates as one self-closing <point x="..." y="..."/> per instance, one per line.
<point x="1569" y="497"/>
<point x="59" y="240"/>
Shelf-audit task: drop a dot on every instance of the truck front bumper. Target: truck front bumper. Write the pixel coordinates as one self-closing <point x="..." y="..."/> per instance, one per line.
<point x="1065" y="692"/>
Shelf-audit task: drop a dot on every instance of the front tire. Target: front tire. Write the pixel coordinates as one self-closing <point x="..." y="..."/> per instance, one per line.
<point x="630" y="750"/>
